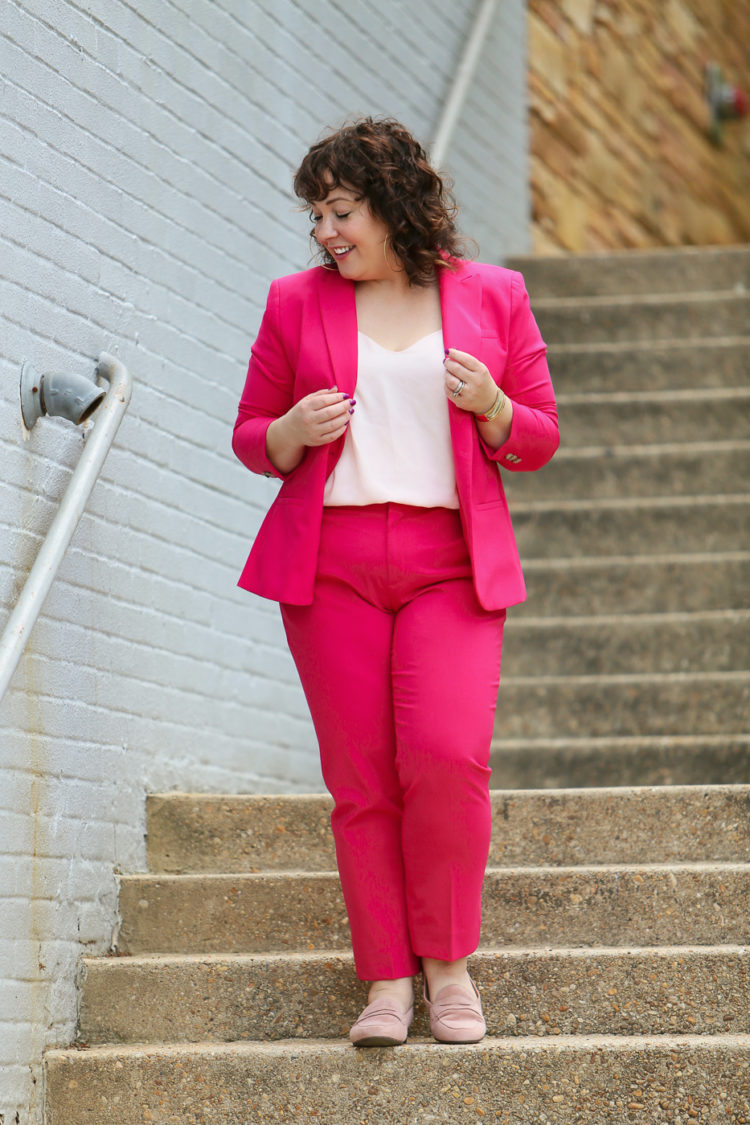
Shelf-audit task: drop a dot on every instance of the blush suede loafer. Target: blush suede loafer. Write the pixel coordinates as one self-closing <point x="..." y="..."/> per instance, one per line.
<point x="456" y="1017"/>
<point x="382" y="1024"/>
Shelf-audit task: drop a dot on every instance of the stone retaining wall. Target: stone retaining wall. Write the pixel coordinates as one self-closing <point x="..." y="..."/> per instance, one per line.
<point x="620" y="154"/>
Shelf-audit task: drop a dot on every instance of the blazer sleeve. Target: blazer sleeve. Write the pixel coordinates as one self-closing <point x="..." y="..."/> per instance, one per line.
<point x="534" y="434"/>
<point x="268" y="392"/>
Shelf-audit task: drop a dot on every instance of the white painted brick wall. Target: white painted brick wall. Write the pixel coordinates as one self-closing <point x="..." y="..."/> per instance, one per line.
<point x="146" y="154"/>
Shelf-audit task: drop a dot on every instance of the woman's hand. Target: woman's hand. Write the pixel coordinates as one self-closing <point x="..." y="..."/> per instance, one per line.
<point x="468" y="382"/>
<point x="317" y="419"/>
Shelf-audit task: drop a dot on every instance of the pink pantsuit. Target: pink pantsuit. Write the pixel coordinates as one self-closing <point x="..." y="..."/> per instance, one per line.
<point x="394" y="614"/>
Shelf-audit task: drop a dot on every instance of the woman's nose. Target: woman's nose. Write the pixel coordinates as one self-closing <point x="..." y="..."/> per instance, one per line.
<point x="326" y="229"/>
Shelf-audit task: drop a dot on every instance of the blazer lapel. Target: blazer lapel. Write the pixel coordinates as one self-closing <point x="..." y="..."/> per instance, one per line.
<point x="461" y="304"/>
<point x="338" y="313"/>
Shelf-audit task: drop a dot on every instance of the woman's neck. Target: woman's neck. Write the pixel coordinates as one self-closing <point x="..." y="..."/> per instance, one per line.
<point x="396" y="314"/>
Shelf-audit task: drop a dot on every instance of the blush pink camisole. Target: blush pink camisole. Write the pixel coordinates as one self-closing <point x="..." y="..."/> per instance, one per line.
<point x="398" y="446"/>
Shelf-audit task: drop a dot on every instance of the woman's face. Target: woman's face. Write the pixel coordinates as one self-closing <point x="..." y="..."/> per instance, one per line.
<point x="356" y="240"/>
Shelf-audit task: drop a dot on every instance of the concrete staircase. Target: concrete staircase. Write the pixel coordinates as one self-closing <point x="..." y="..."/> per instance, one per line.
<point x="630" y="661"/>
<point x="614" y="970"/>
<point x="614" y="966"/>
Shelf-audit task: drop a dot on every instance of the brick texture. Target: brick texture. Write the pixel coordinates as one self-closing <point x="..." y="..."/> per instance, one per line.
<point x="620" y="150"/>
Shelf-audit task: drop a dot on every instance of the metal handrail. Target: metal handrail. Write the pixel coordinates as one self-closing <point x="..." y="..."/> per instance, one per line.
<point x="462" y="80"/>
<point x="42" y="574"/>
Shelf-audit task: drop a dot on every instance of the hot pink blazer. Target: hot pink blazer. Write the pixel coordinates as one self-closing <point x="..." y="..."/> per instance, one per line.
<point x="308" y="341"/>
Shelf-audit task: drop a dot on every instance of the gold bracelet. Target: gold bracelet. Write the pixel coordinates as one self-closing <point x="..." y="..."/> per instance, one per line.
<point x="496" y="408"/>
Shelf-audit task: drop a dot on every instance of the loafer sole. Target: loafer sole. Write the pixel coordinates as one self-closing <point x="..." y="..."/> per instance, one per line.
<point x="460" y="1042"/>
<point x="379" y="1041"/>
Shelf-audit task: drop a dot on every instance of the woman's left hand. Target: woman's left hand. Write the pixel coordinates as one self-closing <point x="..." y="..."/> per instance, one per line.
<point x="468" y="382"/>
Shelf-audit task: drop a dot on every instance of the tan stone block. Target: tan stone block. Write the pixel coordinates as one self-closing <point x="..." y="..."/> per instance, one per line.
<point x="609" y="174"/>
<point x="604" y="114"/>
<point x="591" y="58"/>
<point x="620" y="78"/>
<point x="544" y="243"/>
<point x="595" y="243"/>
<point x="631" y="234"/>
<point x="618" y="115"/>
<point x="728" y="201"/>
<point x="549" y="147"/>
<point x="682" y="23"/>
<point x="663" y="217"/>
<point x="686" y="153"/>
<point x="542" y="180"/>
<point x="580" y="13"/>
<point x="549" y="11"/>
<point x="569" y="211"/>
<point x="701" y="224"/>
<point x="676" y="31"/>
<point x="601" y="233"/>
<point x="548" y="56"/>
<point x="684" y="94"/>
<point x="655" y="203"/>
<point x="541" y="102"/>
<point x="557" y="212"/>
<point x="571" y="132"/>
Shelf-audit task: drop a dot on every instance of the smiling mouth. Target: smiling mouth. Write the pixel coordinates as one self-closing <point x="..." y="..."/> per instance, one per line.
<point x="338" y="251"/>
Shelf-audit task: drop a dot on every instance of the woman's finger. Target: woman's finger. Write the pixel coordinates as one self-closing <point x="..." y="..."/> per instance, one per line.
<point x="324" y="435"/>
<point x="319" y="400"/>
<point x="465" y="359"/>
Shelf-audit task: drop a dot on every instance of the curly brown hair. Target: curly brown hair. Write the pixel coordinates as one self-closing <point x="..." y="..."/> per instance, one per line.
<point x="380" y="160"/>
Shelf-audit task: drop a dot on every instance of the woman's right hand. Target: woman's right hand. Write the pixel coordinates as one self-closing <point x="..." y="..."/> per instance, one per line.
<point x="317" y="419"/>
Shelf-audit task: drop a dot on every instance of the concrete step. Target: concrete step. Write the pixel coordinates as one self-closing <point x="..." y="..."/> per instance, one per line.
<point x="639" y="584"/>
<point x="674" y="270"/>
<point x="644" y="1080"/>
<point x="637" y="643"/>
<point x="612" y="472"/>
<point x="522" y="907"/>
<point x="602" y="320"/>
<point x="190" y="832"/>
<point x="225" y="834"/>
<point x="666" y="760"/>
<point x="670" y="704"/>
<point x="642" y="418"/>
<point x="697" y="364"/>
<point x="171" y="999"/>
<point x="688" y="524"/>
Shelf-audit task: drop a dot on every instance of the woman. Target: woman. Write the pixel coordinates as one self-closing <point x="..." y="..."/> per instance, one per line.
<point x="390" y="546"/>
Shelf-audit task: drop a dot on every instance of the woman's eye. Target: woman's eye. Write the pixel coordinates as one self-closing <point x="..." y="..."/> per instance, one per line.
<point x="339" y="215"/>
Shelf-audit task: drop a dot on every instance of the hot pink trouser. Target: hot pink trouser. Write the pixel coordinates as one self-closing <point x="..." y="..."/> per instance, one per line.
<point x="400" y="666"/>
